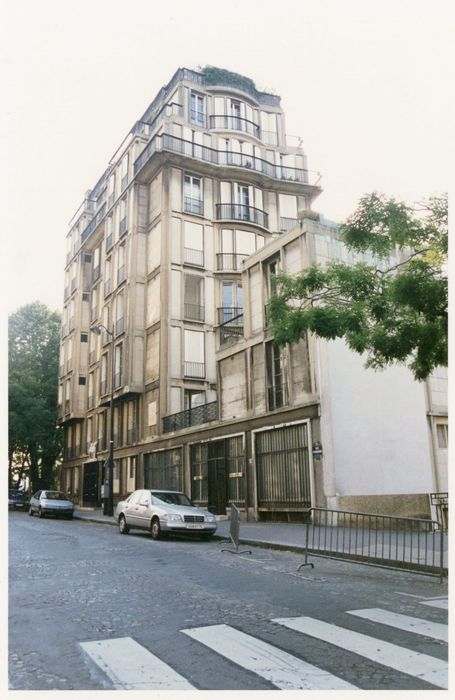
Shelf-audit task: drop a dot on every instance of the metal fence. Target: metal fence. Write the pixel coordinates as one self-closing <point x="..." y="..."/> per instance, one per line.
<point x="234" y="532"/>
<point x="413" y="544"/>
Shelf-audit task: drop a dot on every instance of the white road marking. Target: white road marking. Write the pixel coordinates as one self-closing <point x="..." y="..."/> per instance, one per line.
<point x="280" y="668"/>
<point x="404" y="622"/>
<point x="132" y="667"/>
<point x="426" y="668"/>
<point x="443" y="604"/>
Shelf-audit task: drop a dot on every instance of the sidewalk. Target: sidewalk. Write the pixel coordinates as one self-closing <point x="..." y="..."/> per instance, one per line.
<point x="276" y="535"/>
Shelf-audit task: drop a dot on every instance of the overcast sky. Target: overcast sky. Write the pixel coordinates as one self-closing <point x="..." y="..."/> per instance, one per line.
<point x="365" y="83"/>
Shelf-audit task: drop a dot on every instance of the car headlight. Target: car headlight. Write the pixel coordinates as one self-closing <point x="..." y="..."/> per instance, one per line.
<point x="210" y="519"/>
<point x="174" y="516"/>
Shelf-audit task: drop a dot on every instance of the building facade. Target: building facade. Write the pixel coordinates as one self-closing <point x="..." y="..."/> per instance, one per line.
<point x="173" y="251"/>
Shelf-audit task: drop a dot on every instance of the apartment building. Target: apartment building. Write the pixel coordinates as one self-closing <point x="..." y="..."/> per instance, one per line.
<point x="173" y="251"/>
<point x="205" y="178"/>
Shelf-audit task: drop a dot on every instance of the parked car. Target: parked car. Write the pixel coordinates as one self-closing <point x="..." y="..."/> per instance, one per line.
<point x="17" y="500"/>
<point x="51" y="503"/>
<point x="162" y="512"/>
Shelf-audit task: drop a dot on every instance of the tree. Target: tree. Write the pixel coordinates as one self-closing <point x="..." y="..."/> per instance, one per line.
<point x="394" y="309"/>
<point x="34" y="440"/>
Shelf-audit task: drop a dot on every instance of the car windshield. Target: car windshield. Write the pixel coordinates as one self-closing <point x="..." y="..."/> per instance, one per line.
<point x="16" y="494"/>
<point x="175" y="499"/>
<point x="56" y="496"/>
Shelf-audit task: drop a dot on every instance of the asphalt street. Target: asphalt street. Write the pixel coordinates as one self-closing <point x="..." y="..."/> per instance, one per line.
<point x="92" y="609"/>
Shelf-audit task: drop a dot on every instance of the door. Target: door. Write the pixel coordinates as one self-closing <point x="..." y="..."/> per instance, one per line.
<point x="217" y="478"/>
<point x="90" y="490"/>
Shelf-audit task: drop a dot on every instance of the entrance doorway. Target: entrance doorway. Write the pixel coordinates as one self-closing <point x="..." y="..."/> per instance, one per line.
<point x="90" y="489"/>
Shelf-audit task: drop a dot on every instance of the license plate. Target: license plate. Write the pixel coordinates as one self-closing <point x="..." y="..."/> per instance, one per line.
<point x="195" y="527"/>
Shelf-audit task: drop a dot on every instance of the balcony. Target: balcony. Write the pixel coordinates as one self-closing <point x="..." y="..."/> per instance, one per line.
<point x="194" y="312"/>
<point x="193" y="416"/>
<point x="287" y="223"/>
<point x="227" y="122"/>
<point x="193" y="205"/>
<point x="230" y="319"/>
<point x="230" y="262"/>
<point x="193" y="257"/>
<point x="278" y="396"/>
<point x="93" y="224"/>
<point x="173" y="144"/>
<point x="242" y="212"/>
<point x="195" y="370"/>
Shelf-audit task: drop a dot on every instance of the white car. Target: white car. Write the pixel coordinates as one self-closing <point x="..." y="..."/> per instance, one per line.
<point x="162" y="512"/>
<point x="51" y="503"/>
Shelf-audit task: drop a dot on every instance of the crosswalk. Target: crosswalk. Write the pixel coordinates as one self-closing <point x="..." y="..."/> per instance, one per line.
<point x="130" y="666"/>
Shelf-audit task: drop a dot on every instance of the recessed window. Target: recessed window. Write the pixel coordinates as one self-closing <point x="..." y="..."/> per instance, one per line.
<point x="84" y="337"/>
<point x="82" y="380"/>
<point x="442" y="432"/>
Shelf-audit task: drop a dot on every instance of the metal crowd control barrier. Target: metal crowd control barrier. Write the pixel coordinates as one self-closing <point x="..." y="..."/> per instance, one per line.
<point x="413" y="544"/>
<point x="234" y="532"/>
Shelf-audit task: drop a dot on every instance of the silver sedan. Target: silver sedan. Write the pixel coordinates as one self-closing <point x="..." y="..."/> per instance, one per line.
<point x="161" y="512"/>
<point x="51" y="503"/>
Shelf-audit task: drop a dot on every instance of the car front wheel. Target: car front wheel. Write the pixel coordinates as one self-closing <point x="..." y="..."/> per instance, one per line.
<point x="122" y="526"/>
<point x="155" y="529"/>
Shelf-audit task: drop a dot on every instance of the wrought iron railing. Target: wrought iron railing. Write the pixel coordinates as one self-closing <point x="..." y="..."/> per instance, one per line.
<point x="93" y="223"/>
<point x="193" y="416"/>
<point x="242" y="212"/>
<point x="226" y="121"/>
<point x="230" y="261"/>
<point x="193" y="205"/>
<point x="287" y="223"/>
<point x="191" y="256"/>
<point x="194" y="312"/>
<point x="194" y="369"/>
<point x="230" y="314"/>
<point x="278" y="396"/>
<point x="174" y="144"/>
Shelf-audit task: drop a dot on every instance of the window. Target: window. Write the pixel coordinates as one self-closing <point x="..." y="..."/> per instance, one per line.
<point x="122" y="217"/>
<point x="111" y="191"/>
<point x="197" y="109"/>
<point x="163" y="470"/>
<point x="84" y="337"/>
<point x="193" y="398"/>
<point x="130" y="421"/>
<point x="231" y="302"/>
<point x="109" y="234"/>
<point x="194" y="298"/>
<point x="276" y="368"/>
<point x="192" y="195"/>
<point x="194" y="354"/>
<point x="103" y="376"/>
<point x="85" y="296"/>
<point x="193" y="244"/>
<point x="96" y="265"/>
<point x="119" y="314"/>
<point x="442" y="432"/>
<point x="242" y="200"/>
<point x="124" y="172"/>
<point x="82" y="380"/>
<point x="271" y="269"/>
<point x="121" y="270"/>
<point x="118" y="366"/>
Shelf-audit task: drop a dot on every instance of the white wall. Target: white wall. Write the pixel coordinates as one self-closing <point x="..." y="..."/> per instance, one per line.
<point x="378" y="425"/>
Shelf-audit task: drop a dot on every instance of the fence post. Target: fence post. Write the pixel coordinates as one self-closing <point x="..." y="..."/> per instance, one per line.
<point x="307" y="539"/>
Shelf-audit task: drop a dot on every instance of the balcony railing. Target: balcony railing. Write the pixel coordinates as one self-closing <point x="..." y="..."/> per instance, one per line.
<point x="228" y="122"/>
<point x="194" y="312"/>
<point x="166" y="142"/>
<point x="230" y="314"/>
<point x="193" y="257"/>
<point x="287" y="223"/>
<point x="195" y="370"/>
<point x="242" y="212"/>
<point x="230" y="261"/>
<point x="193" y="205"/>
<point x="278" y="396"/>
<point x="193" y="416"/>
<point x="93" y="224"/>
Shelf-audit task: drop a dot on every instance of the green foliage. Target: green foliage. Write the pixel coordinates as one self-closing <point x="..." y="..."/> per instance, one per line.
<point x="34" y="440"/>
<point x="394" y="314"/>
<point x="221" y="76"/>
